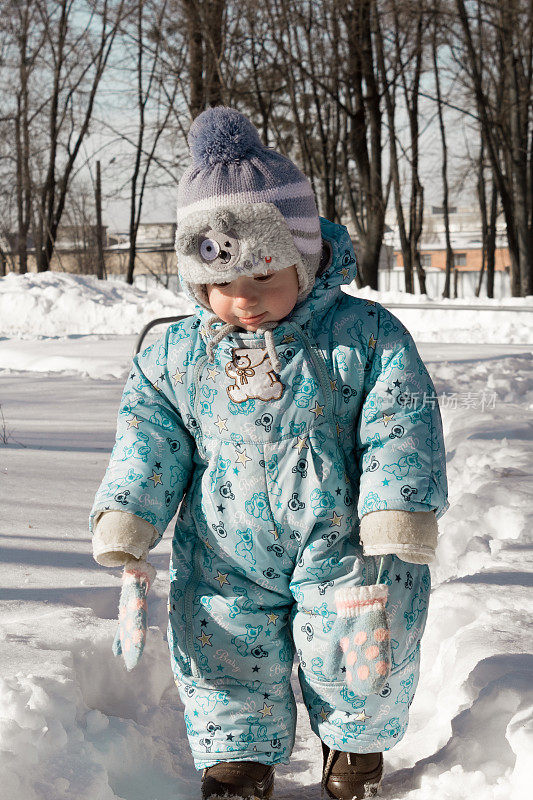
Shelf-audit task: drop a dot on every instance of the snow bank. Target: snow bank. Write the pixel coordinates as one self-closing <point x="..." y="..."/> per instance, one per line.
<point x="59" y="304"/>
<point x="55" y="304"/>
<point x="78" y="726"/>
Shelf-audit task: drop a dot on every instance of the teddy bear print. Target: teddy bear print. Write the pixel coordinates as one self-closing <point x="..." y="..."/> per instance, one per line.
<point x="252" y="379"/>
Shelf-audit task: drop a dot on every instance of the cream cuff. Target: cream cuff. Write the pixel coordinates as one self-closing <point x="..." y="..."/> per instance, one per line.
<point x="118" y="535"/>
<point x="411" y="535"/>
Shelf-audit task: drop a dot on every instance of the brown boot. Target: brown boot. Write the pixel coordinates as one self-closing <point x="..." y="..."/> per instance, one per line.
<point x="246" y="779"/>
<point x="351" y="776"/>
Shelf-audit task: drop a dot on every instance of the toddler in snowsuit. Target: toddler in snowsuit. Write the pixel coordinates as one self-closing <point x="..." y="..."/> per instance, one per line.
<point x="299" y="430"/>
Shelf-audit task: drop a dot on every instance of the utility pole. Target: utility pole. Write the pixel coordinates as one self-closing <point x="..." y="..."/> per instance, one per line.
<point x="101" y="271"/>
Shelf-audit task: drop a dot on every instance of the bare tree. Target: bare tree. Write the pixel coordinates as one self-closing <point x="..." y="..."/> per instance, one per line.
<point x="435" y="31"/>
<point x="507" y="126"/>
<point x="149" y="16"/>
<point x="79" y="54"/>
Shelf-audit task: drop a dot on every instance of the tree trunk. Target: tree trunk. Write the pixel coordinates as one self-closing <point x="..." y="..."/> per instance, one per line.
<point x="101" y="271"/>
<point x="444" y="164"/>
<point x="514" y="199"/>
<point x="482" y="199"/>
<point x="491" y="241"/>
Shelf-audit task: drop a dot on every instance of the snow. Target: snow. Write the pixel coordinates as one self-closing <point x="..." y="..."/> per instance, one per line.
<point x="74" y="724"/>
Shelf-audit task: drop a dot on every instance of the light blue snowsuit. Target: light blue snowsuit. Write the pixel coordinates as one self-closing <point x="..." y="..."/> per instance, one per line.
<point x="277" y="470"/>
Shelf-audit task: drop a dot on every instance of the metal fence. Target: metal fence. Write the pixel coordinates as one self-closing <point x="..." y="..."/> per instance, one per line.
<point x="393" y="280"/>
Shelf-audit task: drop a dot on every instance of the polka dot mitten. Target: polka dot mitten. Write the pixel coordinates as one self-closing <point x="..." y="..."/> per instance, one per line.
<point x="130" y="637"/>
<point x="366" y="645"/>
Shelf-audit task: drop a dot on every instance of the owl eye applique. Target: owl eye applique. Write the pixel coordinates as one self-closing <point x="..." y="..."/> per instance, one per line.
<point x="209" y="249"/>
<point x="219" y="250"/>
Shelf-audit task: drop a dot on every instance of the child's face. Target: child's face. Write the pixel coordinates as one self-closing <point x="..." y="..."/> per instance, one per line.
<point x="249" y="302"/>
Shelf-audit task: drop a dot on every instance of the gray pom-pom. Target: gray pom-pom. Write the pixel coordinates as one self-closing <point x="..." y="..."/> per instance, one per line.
<point x="222" y="135"/>
<point x="222" y="220"/>
<point x="186" y="242"/>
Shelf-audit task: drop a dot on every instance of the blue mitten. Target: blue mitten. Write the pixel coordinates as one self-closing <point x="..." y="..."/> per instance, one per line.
<point x="366" y="647"/>
<point x="130" y="637"/>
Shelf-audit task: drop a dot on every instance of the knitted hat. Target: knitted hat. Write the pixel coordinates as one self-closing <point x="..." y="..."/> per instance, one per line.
<point x="243" y="209"/>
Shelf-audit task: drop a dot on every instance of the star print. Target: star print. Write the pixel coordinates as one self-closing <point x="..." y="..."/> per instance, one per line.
<point x="385" y="482"/>
<point x="397" y="383"/>
<point x="344" y="670"/>
<point x="162" y="377"/>
<point x="288" y="338"/>
<point x="205" y="638"/>
<point x="324" y="713"/>
<point x="301" y="443"/>
<point x="156" y="477"/>
<point x="229" y="737"/>
<point x="372" y="341"/>
<point x="221" y="424"/>
<point x="222" y="578"/>
<point x="318" y="410"/>
<point x="144" y="484"/>
<point x="333" y="385"/>
<point x="338" y="490"/>
<point x="272" y="618"/>
<point x="339" y="429"/>
<point x="266" y="695"/>
<point x="212" y="373"/>
<point x="275" y="534"/>
<point x="361" y="716"/>
<point x="336" y="519"/>
<point x="389" y="390"/>
<point x="344" y="272"/>
<point x="203" y="623"/>
<point x="220" y="668"/>
<point x="132" y="375"/>
<point x="221" y="508"/>
<point x="158" y="465"/>
<point x="178" y="376"/>
<point x="387" y="418"/>
<point x="243" y="458"/>
<point x="255" y="669"/>
<point x="266" y="711"/>
<point x="398" y="578"/>
<point x="235" y="471"/>
<point x="133" y="422"/>
<point x="371" y="313"/>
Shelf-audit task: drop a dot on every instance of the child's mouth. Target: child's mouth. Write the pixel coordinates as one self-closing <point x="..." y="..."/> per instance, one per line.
<point x="251" y="320"/>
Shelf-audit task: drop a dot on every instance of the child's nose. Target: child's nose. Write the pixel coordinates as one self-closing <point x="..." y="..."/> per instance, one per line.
<point x="245" y="295"/>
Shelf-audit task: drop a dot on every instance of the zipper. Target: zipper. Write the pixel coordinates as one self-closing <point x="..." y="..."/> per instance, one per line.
<point x="321" y="370"/>
<point x="323" y="375"/>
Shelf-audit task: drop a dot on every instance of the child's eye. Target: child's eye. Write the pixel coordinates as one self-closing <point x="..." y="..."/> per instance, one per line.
<point x="262" y="277"/>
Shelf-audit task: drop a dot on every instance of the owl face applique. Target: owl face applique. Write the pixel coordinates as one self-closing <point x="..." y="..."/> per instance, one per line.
<point x="253" y="376"/>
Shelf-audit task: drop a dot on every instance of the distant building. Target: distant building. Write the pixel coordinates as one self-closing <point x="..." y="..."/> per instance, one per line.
<point x="465" y="235"/>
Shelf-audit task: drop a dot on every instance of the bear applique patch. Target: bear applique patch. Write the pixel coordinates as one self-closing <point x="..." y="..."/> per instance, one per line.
<point x="253" y="376"/>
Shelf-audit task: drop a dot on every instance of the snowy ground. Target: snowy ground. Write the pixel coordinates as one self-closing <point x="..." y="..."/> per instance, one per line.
<point x="74" y="724"/>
